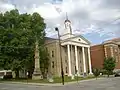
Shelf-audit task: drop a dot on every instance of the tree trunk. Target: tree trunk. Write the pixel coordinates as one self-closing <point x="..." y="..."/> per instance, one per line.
<point x="108" y="75"/>
<point x="96" y="78"/>
<point x="30" y="74"/>
<point x="44" y="73"/>
<point x="17" y="74"/>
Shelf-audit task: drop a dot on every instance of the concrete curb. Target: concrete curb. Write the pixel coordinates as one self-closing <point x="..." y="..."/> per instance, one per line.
<point x="84" y="81"/>
<point x="37" y="84"/>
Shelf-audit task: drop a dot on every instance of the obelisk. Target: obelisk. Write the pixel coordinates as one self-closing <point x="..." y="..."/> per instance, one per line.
<point x="37" y="73"/>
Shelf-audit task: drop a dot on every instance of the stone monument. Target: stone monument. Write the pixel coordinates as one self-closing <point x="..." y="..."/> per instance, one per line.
<point x="37" y="73"/>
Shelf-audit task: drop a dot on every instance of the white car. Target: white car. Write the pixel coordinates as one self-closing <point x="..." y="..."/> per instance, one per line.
<point x="5" y="74"/>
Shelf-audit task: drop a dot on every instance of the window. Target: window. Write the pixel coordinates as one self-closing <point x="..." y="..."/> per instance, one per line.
<point x="80" y="61"/>
<point x="79" y="39"/>
<point x="80" y="69"/>
<point x="116" y="59"/>
<point x="66" y="70"/>
<point x="75" y="70"/>
<point x="52" y="53"/>
<point x="65" y="50"/>
<point x="66" y="61"/>
<point x="52" y="64"/>
<point x="115" y="50"/>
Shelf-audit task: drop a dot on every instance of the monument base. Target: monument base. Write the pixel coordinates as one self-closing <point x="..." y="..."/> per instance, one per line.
<point x="90" y="73"/>
<point x="37" y="77"/>
<point x="37" y="74"/>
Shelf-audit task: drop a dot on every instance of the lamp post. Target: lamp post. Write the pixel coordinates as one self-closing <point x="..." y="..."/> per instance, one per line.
<point x="62" y="72"/>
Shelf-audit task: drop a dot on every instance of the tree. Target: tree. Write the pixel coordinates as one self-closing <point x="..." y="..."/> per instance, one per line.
<point x="18" y="34"/>
<point x="96" y="72"/>
<point x="44" y="61"/>
<point x="109" y="65"/>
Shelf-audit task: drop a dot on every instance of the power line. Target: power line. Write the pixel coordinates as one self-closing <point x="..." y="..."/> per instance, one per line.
<point x="99" y="29"/>
<point x="110" y="24"/>
<point x="16" y="47"/>
<point x="105" y="25"/>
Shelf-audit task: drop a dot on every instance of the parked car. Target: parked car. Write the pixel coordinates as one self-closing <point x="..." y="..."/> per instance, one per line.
<point x="5" y="74"/>
<point x="117" y="74"/>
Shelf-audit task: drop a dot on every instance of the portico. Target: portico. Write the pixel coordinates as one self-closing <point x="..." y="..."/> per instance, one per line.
<point x="78" y="57"/>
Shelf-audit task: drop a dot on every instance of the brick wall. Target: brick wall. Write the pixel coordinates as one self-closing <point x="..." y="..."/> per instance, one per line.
<point x="97" y="56"/>
<point x="113" y="51"/>
<point x="99" y="52"/>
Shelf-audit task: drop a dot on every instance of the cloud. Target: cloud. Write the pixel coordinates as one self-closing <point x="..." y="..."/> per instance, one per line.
<point x="4" y="6"/>
<point x="46" y="10"/>
<point x="106" y="14"/>
<point x="113" y="4"/>
<point x="88" y="17"/>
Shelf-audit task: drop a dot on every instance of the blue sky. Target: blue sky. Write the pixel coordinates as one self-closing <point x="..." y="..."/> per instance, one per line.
<point x="96" y="20"/>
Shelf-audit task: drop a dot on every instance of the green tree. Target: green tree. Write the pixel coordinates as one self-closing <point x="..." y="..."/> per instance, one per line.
<point x="18" y="33"/>
<point x="109" y="65"/>
<point x="44" y="61"/>
<point x="96" y="72"/>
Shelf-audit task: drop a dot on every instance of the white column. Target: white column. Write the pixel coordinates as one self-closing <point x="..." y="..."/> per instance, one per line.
<point x="111" y="49"/>
<point x="105" y="51"/>
<point x="90" y="68"/>
<point x="76" y="57"/>
<point x="69" y="60"/>
<point x="84" y="63"/>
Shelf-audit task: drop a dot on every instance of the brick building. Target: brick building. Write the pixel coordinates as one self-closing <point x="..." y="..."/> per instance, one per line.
<point x="110" y="48"/>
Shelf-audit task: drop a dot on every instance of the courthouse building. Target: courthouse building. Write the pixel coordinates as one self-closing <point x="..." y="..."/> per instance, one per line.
<point x="109" y="48"/>
<point x="75" y="50"/>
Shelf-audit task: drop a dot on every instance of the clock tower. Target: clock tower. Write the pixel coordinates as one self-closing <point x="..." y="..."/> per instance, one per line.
<point x="67" y="23"/>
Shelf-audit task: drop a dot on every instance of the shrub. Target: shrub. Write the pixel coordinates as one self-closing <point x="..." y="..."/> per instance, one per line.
<point x="96" y="72"/>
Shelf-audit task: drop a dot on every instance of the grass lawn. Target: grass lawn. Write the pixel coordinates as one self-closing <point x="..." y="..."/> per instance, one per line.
<point x="56" y="80"/>
<point x="25" y="80"/>
<point x="68" y="79"/>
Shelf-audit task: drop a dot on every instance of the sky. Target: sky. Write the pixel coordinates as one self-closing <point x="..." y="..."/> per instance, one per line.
<point x="96" y="20"/>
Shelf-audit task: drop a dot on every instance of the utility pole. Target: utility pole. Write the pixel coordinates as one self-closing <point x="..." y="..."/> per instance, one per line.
<point x="62" y="72"/>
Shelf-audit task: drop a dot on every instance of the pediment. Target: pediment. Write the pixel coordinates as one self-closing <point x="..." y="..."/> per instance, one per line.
<point x="74" y="38"/>
<point x="80" y="39"/>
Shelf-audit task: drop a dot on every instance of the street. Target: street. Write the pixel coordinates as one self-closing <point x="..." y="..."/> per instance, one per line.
<point x="100" y="84"/>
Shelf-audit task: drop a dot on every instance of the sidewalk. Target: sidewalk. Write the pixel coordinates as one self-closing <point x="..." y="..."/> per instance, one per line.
<point x="51" y="84"/>
<point x="68" y="83"/>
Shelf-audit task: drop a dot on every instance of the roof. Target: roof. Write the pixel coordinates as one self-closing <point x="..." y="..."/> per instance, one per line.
<point x="52" y="40"/>
<point x="49" y="38"/>
<point x="95" y="45"/>
<point x="67" y="20"/>
<point x="85" y="39"/>
<point x="82" y="38"/>
<point x="5" y="70"/>
<point x="114" y="40"/>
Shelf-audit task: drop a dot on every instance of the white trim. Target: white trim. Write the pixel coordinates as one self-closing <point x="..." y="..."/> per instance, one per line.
<point x="74" y="43"/>
<point x="69" y="61"/>
<point x="111" y="49"/>
<point x="89" y="58"/>
<point x="84" y="63"/>
<point x="110" y="44"/>
<point x="105" y="51"/>
<point x="76" y="57"/>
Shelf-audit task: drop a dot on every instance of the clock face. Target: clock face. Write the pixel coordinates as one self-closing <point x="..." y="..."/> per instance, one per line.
<point x="67" y="25"/>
